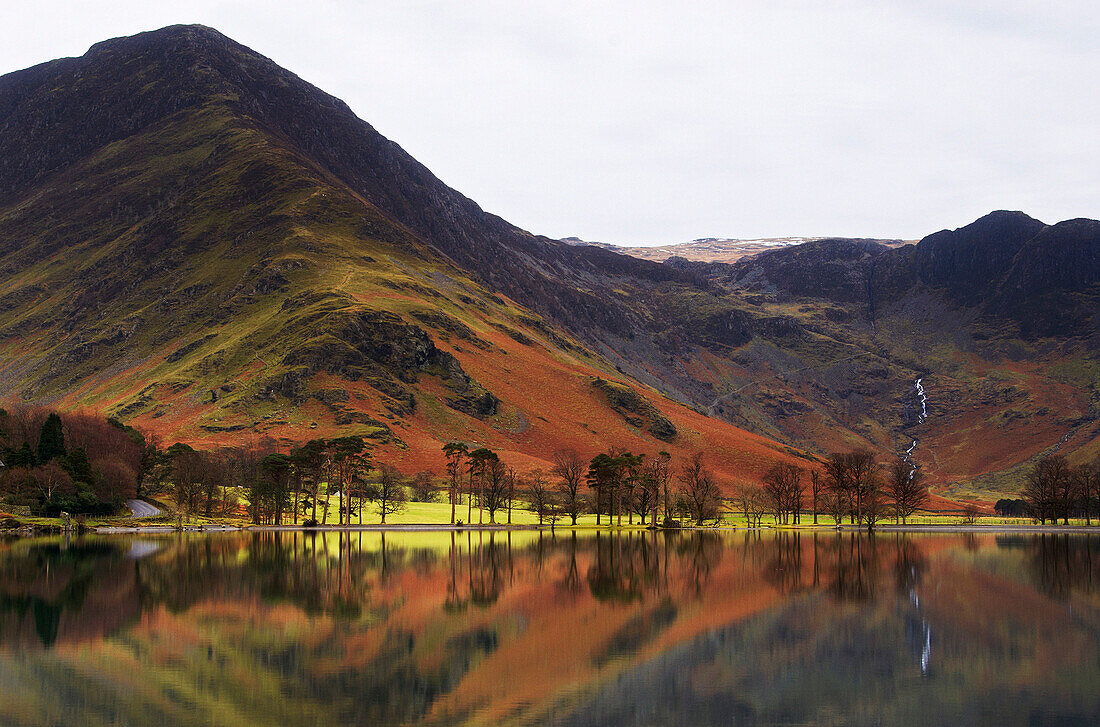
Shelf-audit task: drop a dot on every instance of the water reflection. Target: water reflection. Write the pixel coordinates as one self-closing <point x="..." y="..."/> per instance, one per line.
<point x="540" y="628"/>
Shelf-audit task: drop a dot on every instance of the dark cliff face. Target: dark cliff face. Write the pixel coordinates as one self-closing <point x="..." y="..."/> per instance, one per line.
<point x="1005" y="264"/>
<point x="833" y="269"/>
<point x="1045" y="278"/>
<point x="57" y="113"/>
<point x="1065" y="256"/>
<point x="970" y="261"/>
<point x="1053" y="284"/>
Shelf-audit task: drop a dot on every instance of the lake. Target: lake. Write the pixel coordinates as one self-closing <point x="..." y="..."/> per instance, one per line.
<point x="502" y="628"/>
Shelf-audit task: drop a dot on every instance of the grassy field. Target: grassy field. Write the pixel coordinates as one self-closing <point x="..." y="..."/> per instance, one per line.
<point x="439" y="513"/>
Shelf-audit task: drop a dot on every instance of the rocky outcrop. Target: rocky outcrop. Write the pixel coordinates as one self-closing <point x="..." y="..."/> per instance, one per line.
<point x="835" y="269"/>
<point x="966" y="263"/>
<point x="636" y="409"/>
<point x="382" y="349"/>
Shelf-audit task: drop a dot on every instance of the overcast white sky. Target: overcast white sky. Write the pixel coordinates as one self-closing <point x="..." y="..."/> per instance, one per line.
<point x="646" y="121"/>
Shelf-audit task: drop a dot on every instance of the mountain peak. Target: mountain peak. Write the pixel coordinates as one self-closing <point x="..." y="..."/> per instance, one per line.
<point x="167" y="34"/>
<point x="1001" y="221"/>
<point x="970" y="259"/>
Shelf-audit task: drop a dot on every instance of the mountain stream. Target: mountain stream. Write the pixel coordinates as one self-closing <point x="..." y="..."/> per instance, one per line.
<point x="920" y="400"/>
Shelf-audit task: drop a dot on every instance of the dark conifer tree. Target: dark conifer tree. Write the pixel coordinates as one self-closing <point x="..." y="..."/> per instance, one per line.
<point x="51" y="440"/>
<point x="79" y="467"/>
<point x="22" y="457"/>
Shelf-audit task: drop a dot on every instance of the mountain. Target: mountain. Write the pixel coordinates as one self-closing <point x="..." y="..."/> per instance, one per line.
<point x="201" y="243"/>
<point x="1009" y="367"/>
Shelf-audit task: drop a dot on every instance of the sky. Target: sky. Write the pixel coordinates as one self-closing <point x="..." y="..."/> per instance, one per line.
<point x="653" y="122"/>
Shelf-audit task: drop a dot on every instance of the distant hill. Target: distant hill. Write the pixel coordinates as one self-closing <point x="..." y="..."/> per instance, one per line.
<point x="201" y="243"/>
<point x="715" y="249"/>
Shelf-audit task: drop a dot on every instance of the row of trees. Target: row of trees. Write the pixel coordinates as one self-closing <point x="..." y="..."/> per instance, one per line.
<point x="610" y="485"/>
<point x="853" y="485"/>
<point x="850" y="484"/>
<point x="77" y="463"/>
<point x="295" y="486"/>
<point x="1055" y="490"/>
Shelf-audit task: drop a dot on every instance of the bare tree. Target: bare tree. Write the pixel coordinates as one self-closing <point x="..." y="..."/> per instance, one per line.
<point x="753" y="503"/>
<point x="538" y="493"/>
<point x="1087" y="488"/>
<point x="495" y="490"/>
<point x="663" y="477"/>
<point x="643" y="496"/>
<point x="816" y="485"/>
<point x="853" y="477"/>
<point x="553" y="511"/>
<point x="783" y="486"/>
<point x="863" y="473"/>
<point x="1045" y="483"/>
<point x="838" y="485"/>
<point x="905" y="488"/>
<point x="569" y="468"/>
<point x="513" y="480"/>
<point x="423" y="487"/>
<point x="872" y="500"/>
<point x="478" y="463"/>
<point x="834" y="505"/>
<point x="700" y="491"/>
<point x="51" y="479"/>
<point x="390" y="495"/>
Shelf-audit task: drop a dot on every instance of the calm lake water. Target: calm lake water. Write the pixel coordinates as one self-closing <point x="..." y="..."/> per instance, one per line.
<point x="523" y="628"/>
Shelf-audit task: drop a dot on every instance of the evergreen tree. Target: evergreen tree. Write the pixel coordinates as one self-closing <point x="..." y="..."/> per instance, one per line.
<point x="51" y="441"/>
<point x="79" y="467"/>
<point x="22" y="457"/>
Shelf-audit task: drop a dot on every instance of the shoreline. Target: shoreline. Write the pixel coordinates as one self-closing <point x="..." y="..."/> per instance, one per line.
<point x="430" y="527"/>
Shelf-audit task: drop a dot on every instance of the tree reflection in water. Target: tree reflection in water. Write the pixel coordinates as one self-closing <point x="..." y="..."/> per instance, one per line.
<point x="498" y="626"/>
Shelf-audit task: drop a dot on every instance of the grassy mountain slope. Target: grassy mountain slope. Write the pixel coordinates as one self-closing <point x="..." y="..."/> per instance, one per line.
<point x="207" y="279"/>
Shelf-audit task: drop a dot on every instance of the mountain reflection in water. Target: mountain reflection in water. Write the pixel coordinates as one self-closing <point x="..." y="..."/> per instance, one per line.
<point x="566" y="629"/>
